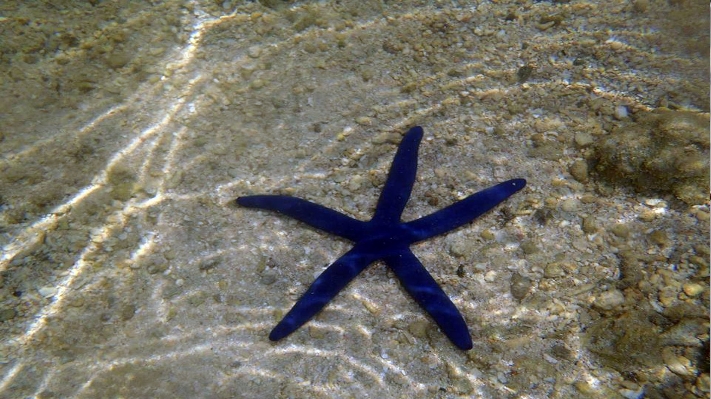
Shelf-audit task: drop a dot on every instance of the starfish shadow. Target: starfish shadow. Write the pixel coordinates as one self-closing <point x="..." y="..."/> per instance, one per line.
<point x="385" y="237"/>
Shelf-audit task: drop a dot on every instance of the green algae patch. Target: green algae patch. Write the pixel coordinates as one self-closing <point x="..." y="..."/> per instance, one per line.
<point x="662" y="151"/>
<point x="122" y="181"/>
<point x="625" y="342"/>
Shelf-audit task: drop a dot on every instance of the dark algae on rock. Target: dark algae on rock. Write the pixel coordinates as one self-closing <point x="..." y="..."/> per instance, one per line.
<point x="661" y="151"/>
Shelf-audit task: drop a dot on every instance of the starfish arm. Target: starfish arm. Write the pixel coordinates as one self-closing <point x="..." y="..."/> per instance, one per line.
<point x="421" y="286"/>
<point x="401" y="178"/>
<point x="464" y="211"/>
<point x="322" y="290"/>
<point x="312" y="214"/>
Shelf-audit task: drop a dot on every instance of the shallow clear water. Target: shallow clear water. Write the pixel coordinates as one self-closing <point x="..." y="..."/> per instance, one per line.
<point x="129" y="128"/>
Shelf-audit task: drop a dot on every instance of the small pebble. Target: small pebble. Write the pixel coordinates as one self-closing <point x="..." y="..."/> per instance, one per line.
<point x="609" y="299"/>
<point x="268" y="278"/>
<point x="620" y="230"/>
<point x="127" y="312"/>
<point x="490" y="276"/>
<point x="569" y="205"/>
<point x="520" y="286"/>
<point x="590" y="225"/>
<point x="459" y="248"/>
<point x="257" y="84"/>
<point x="316" y="332"/>
<point x="372" y="308"/>
<point x="621" y="112"/>
<point x="488" y="235"/>
<point x="364" y="121"/>
<point x="47" y="292"/>
<point x="529" y="247"/>
<point x="118" y="59"/>
<point x="583" y="139"/>
<point x="579" y="171"/>
<point x="418" y="328"/>
<point x="554" y="270"/>
<point x="693" y="289"/>
<point x="254" y="51"/>
<point x="7" y="314"/>
<point x="659" y="237"/>
<point x="632" y="394"/>
<point x="679" y="365"/>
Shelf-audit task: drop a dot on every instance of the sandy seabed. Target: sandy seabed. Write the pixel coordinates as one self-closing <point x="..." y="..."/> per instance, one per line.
<point x="129" y="128"/>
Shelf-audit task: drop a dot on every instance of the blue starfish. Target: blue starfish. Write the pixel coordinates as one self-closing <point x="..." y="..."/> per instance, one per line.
<point x="385" y="237"/>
